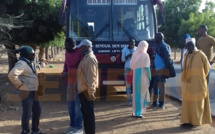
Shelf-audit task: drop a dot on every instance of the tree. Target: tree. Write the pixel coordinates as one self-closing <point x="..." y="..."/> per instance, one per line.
<point x="44" y="27"/>
<point x="57" y="42"/>
<point x="191" y="26"/>
<point x="209" y="6"/>
<point x="207" y="17"/>
<point x="175" y="11"/>
<point x="6" y="25"/>
<point x="43" y="15"/>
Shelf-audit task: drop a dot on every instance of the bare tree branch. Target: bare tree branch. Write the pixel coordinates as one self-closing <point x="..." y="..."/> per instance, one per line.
<point x="9" y="23"/>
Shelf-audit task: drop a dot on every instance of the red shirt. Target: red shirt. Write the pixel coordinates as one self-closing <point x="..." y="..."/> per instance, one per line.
<point x="71" y="63"/>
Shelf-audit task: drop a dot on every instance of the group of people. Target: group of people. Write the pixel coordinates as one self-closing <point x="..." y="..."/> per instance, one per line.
<point x="81" y="68"/>
<point x="195" y="62"/>
<point x="138" y="61"/>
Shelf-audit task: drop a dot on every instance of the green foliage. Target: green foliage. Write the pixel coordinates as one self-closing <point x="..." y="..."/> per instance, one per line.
<point x="175" y="12"/>
<point x="191" y="25"/>
<point x="209" y="6"/>
<point x="57" y="42"/>
<point x="43" y="15"/>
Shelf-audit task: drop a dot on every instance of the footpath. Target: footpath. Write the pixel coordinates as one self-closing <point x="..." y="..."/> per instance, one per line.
<point x="174" y="89"/>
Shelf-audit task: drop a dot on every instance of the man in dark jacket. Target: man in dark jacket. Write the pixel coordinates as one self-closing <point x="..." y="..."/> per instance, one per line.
<point x="162" y="55"/>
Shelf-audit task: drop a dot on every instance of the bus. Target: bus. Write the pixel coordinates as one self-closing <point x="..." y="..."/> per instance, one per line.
<point x="109" y="24"/>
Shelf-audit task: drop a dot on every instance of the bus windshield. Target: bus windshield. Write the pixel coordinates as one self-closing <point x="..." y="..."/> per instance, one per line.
<point x="101" y="20"/>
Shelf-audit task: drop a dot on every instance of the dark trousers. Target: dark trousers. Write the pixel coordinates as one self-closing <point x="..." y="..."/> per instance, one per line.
<point x="159" y="91"/>
<point x="87" y="109"/>
<point x="151" y="86"/>
<point x="208" y="77"/>
<point x="31" y="107"/>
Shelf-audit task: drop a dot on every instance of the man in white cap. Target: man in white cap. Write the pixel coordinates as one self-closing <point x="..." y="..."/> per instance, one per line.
<point x="87" y="80"/>
<point x="195" y="98"/>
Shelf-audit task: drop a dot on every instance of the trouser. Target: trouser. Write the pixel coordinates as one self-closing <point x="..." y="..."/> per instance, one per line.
<point x="151" y="86"/>
<point x="208" y="77"/>
<point x="30" y="106"/>
<point x="159" y="91"/>
<point x="128" y="86"/>
<point x="74" y="106"/>
<point x="87" y="108"/>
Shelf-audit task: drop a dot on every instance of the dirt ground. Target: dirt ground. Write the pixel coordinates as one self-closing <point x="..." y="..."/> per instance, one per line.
<point x="111" y="118"/>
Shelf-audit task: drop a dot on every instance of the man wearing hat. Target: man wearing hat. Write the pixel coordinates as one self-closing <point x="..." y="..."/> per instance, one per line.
<point x="87" y="80"/>
<point x="184" y="49"/>
<point x="25" y="79"/>
<point x="195" y="109"/>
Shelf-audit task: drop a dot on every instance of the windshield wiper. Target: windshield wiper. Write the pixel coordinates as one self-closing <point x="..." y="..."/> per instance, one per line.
<point x="100" y="32"/>
<point x="125" y="31"/>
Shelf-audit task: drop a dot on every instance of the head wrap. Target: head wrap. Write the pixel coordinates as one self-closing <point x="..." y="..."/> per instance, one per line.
<point x="25" y="51"/>
<point x="186" y="36"/>
<point x="193" y="40"/>
<point x="140" y="57"/>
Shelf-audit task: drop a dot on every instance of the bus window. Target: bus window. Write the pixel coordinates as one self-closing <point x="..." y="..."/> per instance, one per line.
<point x="133" y="21"/>
<point x="89" y="21"/>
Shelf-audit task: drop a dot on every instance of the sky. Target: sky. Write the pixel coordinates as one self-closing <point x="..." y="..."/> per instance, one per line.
<point x="202" y="5"/>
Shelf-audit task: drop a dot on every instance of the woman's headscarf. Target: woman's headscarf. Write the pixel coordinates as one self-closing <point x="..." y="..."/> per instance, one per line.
<point x="140" y="57"/>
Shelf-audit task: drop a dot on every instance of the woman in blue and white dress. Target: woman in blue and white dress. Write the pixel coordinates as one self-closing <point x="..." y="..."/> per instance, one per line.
<point x="140" y="64"/>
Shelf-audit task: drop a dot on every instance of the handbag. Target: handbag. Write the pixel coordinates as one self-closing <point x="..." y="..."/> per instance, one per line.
<point x="129" y="77"/>
<point x="40" y="90"/>
<point x="170" y="70"/>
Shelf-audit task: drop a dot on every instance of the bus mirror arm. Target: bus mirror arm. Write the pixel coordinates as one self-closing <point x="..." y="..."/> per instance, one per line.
<point x="161" y="10"/>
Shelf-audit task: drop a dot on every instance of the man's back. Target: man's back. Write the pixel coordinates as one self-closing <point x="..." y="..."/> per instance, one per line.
<point x="162" y="54"/>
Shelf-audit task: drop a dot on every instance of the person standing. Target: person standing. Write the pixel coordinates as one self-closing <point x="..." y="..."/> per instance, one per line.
<point x="140" y="64"/>
<point x="206" y="43"/>
<point x="127" y="53"/>
<point x="162" y="56"/>
<point x="24" y="78"/>
<point x="73" y="56"/>
<point x="195" y="109"/>
<point x="87" y="79"/>
<point x="184" y="49"/>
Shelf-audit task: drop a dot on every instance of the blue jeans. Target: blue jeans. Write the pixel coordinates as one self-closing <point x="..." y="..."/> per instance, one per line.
<point x="128" y="86"/>
<point x="74" y="106"/>
<point x="159" y="91"/>
<point x="30" y="106"/>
